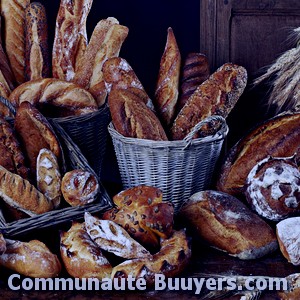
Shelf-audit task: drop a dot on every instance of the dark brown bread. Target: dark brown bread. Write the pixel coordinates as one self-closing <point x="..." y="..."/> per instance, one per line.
<point x="37" y="60"/>
<point x="132" y="118"/>
<point x="277" y="137"/>
<point x="216" y="96"/>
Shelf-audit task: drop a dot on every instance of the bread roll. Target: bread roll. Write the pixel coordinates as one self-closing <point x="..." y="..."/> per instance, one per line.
<point x="113" y="238"/>
<point x="32" y="259"/>
<point x="70" y="39"/>
<point x="277" y="137"/>
<point x="2" y="244"/>
<point x="48" y="176"/>
<point x="82" y="258"/>
<point x="225" y="223"/>
<point x="132" y="117"/>
<point x="166" y="92"/>
<point x="37" y="60"/>
<point x="13" y="12"/>
<point x="216" y="96"/>
<point x="79" y="187"/>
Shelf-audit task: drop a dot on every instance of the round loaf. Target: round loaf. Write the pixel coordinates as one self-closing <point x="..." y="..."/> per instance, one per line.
<point x="79" y="187"/>
<point x="225" y="223"/>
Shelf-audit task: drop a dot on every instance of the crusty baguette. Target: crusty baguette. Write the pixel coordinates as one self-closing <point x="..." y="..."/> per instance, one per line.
<point x="13" y="12"/>
<point x="70" y="39"/>
<point x="37" y="60"/>
<point x="22" y="195"/>
<point x="166" y="92"/>
<point x="215" y="96"/>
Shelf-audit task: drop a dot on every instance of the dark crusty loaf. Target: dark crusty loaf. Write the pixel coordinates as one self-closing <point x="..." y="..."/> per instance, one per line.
<point x="216" y="96"/>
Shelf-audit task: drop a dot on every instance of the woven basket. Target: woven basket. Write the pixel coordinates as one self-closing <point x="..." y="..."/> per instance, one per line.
<point x="178" y="168"/>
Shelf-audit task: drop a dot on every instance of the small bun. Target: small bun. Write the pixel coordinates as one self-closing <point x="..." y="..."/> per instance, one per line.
<point x="79" y="187"/>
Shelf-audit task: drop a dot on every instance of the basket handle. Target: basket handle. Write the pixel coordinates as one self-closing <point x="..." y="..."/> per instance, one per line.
<point x="188" y="139"/>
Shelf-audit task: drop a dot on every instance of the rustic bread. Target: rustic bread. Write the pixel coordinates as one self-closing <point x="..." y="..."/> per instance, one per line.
<point x="82" y="258"/>
<point x="225" y="223"/>
<point x="31" y="259"/>
<point x="70" y="38"/>
<point x="141" y="212"/>
<point x="171" y="260"/>
<point x="112" y="237"/>
<point x="79" y="187"/>
<point x="216" y="96"/>
<point x="166" y="91"/>
<point x="37" y="60"/>
<point x="13" y="12"/>
<point x="2" y="244"/>
<point x="132" y="118"/>
<point x="277" y="137"/>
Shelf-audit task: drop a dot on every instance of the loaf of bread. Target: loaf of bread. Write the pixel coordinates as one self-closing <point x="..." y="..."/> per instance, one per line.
<point x="106" y="42"/>
<point x="141" y="212"/>
<point x="70" y="39"/>
<point x="131" y="117"/>
<point x="113" y="238"/>
<point x="11" y="155"/>
<point x="273" y="188"/>
<point x="37" y="60"/>
<point x="277" y="137"/>
<point x="54" y="97"/>
<point x="20" y="194"/>
<point x="171" y="260"/>
<point x="79" y="187"/>
<point x="13" y="12"/>
<point x="81" y="257"/>
<point x="48" y="176"/>
<point x="194" y="72"/>
<point x="35" y="133"/>
<point x="2" y="244"/>
<point x="225" y="223"/>
<point x="216" y="96"/>
<point x="166" y="91"/>
<point x="31" y="259"/>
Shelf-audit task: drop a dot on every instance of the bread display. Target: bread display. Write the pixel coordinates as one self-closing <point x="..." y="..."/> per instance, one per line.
<point x="81" y="256"/>
<point x="273" y="188"/>
<point x="70" y="39"/>
<point x="79" y="187"/>
<point x="32" y="259"/>
<point x="276" y="137"/>
<point x="37" y="59"/>
<point x="225" y="223"/>
<point x="167" y="89"/>
<point x="141" y="212"/>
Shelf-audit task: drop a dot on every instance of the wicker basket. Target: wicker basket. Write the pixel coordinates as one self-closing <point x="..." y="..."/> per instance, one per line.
<point x="178" y="168"/>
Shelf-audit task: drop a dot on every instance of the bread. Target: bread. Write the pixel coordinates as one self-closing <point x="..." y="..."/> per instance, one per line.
<point x="194" y="72"/>
<point x="113" y="238"/>
<point x="225" y="223"/>
<point x="132" y="118"/>
<point x="277" y="137"/>
<point x="48" y="176"/>
<point x="216" y="96"/>
<point x="35" y="133"/>
<point x="13" y="12"/>
<point x="20" y="194"/>
<point x="288" y="235"/>
<point x="81" y="257"/>
<point x="55" y="98"/>
<point x="79" y="187"/>
<point x="166" y="91"/>
<point x="171" y="260"/>
<point x="11" y="155"/>
<point x="37" y="60"/>
<point x="31" y="259"/>
<point x="2" y="244"/>
<point x="118" y="74"/>
<point x="70" y="38"/>
<point x="106" y="42"/>
<point x="273" y="188"/>
<point x="142" y="214"/>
